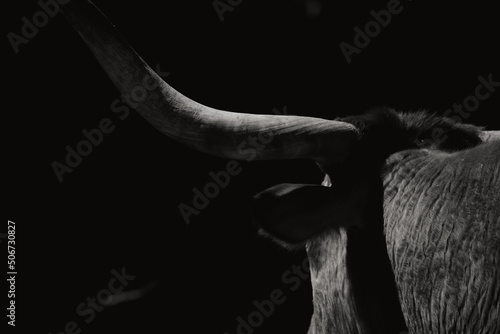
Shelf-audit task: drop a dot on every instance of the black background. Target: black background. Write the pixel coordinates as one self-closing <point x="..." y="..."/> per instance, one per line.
<point x="119" y="208"/>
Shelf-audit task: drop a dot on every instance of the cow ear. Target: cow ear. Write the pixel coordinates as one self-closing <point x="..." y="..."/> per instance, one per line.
<point x="293" y="213"/>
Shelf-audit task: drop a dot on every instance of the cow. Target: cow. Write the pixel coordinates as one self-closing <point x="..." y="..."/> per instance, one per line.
<point x="403" y="234"/>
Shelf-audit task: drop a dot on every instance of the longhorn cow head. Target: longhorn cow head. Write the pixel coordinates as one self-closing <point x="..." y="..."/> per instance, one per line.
<point x="293" y="214"/>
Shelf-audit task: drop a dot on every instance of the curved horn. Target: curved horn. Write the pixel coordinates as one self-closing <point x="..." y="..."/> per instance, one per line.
<point x="216" y="132"/>
<point x="490" y="135"/>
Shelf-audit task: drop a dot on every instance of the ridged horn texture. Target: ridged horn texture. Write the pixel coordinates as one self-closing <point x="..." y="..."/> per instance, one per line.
<point x="206" y="129"/>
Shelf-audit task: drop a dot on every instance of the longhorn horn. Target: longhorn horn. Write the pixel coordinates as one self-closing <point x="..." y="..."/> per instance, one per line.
<point x="216" y="132"/>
